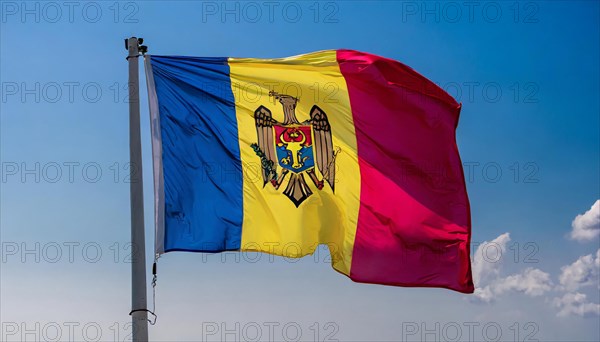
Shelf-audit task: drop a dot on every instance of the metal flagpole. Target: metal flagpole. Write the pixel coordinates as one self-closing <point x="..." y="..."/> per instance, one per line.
<point x="139" y="313"/>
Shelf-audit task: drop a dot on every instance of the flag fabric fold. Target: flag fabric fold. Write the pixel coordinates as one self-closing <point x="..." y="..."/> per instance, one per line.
<point x="335" y="147"/>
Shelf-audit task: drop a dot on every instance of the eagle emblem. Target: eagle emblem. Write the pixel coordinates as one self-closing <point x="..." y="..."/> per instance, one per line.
<point x="296" y="148"/>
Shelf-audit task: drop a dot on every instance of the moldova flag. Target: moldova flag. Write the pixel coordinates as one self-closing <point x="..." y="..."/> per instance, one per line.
<point x="342" y="148"/>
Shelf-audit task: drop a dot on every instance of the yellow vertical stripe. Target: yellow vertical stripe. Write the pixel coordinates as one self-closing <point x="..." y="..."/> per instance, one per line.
<point x="272" y="223"/>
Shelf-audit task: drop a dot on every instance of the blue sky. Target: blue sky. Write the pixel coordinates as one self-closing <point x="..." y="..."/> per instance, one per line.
<point x="527" y="74"/>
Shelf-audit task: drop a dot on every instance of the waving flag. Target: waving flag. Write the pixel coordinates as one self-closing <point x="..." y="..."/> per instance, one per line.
<point x="338" y="147"/>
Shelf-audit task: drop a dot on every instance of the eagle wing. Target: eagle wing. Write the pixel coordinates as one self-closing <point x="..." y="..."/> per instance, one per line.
<point x="264" y="130"/>
<point x="324" y="154"/>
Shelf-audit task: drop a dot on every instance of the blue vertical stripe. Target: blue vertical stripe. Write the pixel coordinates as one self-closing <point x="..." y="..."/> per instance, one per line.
<point x="201" y="155"/>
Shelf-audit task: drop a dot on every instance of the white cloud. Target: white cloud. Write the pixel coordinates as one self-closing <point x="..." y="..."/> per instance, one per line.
<point x="531" y="281"/>
<point x="490" y="283"/>
<point x="586" y="227"/>
<point x="484" y="294"/>
<point x="486" y="264"/>
<point x="488" y="258"/>
<point x="575" y="304"/>
<point x="583" y="272"/>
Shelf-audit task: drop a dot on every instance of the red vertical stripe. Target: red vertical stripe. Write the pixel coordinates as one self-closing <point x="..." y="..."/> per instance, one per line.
<point x="414" y="221"/>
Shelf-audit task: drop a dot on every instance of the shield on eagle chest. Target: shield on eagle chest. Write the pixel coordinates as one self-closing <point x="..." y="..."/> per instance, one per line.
<point x="294" y="148"/>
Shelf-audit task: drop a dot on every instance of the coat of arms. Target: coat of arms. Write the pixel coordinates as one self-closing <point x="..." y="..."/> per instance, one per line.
<point x="295" y="147"/>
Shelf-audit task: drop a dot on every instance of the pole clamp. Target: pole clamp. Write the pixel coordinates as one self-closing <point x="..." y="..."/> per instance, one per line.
<point x="152" y="322"/>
